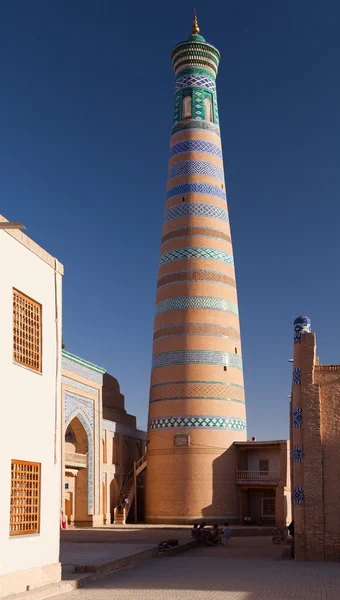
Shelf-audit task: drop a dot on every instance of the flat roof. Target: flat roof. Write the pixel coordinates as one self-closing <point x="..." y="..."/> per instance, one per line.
<point x="23" y="239"/>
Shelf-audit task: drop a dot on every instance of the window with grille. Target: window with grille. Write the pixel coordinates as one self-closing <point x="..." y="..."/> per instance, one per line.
<point x="25" y="497"/>
<point x="268" y="507"/>
<point x="26" y="331"/>
<point x="263" y="465"/>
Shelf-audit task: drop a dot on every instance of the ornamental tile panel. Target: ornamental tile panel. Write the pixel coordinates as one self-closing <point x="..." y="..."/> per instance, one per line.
<point x="193" y="252"/>
<point x="195" y="167"/>
<point x="198" y="422"/>
<point x="193" y="80"/>
<point x="198" y="357"/>
<point x="298" y="495"/>
<point x="198" y="390"/>
<point x="298" y="454"/>
<point x="195" y="209"/>
<point x="195" y="125"/>
<point x="196" y="188"/>
<point x="199" y="302"/>
<point x="297" y="418"/>
<point x="296" y="376"/>
<point x="195" y="146"/>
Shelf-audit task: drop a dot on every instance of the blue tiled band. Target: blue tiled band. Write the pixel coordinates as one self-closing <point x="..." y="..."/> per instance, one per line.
<point x="196" y="209"/>
<point x="205" y="302"/>
<point x="199" y="357"/>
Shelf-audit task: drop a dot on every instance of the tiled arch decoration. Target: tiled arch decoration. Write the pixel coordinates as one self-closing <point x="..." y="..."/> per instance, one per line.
<point x="77" y="406"/>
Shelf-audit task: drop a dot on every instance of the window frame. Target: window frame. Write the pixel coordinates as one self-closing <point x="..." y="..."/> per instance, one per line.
<point x="17" y="361"/>
<point x="35" y="530"/>
<point x="266" y="460"/>
<point x="271" y="502"/>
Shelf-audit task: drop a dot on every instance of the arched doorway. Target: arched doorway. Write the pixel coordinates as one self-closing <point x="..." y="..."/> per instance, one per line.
<point x="76" y="472"/>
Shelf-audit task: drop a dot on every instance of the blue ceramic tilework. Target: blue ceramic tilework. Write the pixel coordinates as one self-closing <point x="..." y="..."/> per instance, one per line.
<point x="301" y="325"/>
<point x="195" y="167"/>
<point x="298" y="495"/>
<point x="196" y="188"/>
<point x="298" y="454"/>
<point x="195" y="209"/>
<point x="74" y="402"/>
<point x="185" y="302"/>
<point x="77" y="406"/>
<point x="197" y="103"/>
<point x="296" y="376"/>
<point x="197" y="421"/>
<point x="297" y="418"/>
<point x="195" y="253"/>
<point x="198" y="357"/>
<point x="195" y="146"/>
<point x="80" y="386"/>
<point x="81" y="370"/>
<point x="196" y="124"/>
<point x="192" y="80"/>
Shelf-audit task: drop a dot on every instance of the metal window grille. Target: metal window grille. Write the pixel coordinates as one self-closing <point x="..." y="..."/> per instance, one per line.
<point x="25" y="497"/>
<point x="26" y="331"/>
<point x="268" y="507"/>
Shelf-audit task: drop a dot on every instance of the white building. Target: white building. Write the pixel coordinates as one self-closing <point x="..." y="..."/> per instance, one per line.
<point x="30" y="423"/>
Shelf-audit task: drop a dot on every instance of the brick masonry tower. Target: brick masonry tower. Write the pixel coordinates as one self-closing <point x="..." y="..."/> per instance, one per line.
<point x="197" y="403"/>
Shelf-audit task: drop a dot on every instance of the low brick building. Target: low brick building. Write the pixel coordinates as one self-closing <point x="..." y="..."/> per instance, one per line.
<point x="263" y="480"/>
<point x="315" y="438"/>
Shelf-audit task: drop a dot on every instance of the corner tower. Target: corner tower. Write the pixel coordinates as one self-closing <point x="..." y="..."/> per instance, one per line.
<point x="197" y="403"/>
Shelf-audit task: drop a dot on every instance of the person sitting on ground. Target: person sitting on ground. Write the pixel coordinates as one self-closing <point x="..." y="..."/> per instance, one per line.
<point x="247" y="521"/>
<point x="195" y="532"/>
<point x="226" y="533"/>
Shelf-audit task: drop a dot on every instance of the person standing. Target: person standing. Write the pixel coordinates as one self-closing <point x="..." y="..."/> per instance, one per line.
<point x="226" y="533"/>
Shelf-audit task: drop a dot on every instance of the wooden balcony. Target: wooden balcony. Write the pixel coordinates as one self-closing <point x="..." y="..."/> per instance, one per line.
<point x="257" y="477"/>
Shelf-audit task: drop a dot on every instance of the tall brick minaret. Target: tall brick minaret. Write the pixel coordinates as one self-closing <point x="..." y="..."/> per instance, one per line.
<point x="197" y="403"/>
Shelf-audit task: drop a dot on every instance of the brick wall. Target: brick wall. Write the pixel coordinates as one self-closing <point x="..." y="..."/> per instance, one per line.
<point x="317" y="519"/>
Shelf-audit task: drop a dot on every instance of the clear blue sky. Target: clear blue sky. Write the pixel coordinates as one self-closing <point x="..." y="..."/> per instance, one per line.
<point x="85" y="119"/>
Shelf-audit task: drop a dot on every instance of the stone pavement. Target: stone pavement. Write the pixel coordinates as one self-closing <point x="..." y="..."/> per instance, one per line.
<point x="247" y="569"/>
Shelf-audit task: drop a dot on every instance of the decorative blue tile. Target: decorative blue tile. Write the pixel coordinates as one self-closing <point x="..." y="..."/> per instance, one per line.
<point x="199" y="357"/>
<point x="193" y="80"/>
<point x="193" y="252"/>
<point x="195" y="209"/>
<point x="297" y="418"/>
<point x="198" y="422"/>
<point x="195" y="167"/>
<point x="195" y="146"/>
<point x="298" y="495"/>
<point x="196" y="188"/>
<point x="77" y="406"/>
<point x="296" y="376"/>
<point x="204" y="302"/>
<point x="301" y="325"/>
<point x="195" y="124"/>
<point x="298" y="454"/>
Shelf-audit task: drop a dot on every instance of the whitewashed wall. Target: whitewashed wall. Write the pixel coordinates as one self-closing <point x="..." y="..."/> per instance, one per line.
<point x="30" y="407"/>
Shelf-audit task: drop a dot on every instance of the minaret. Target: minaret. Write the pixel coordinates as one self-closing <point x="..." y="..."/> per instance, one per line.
<point x="197" y="403"/>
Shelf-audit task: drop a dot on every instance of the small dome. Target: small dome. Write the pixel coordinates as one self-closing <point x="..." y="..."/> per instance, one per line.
<point x="301" y="325"/>
<point x="195" y="37"/>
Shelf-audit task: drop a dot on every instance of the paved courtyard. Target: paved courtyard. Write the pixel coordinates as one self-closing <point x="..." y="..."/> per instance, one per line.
<point x="248" y="569"/>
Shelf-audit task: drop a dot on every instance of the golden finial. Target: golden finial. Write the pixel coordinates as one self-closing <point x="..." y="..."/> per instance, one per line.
<point x="195" y="28"/>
